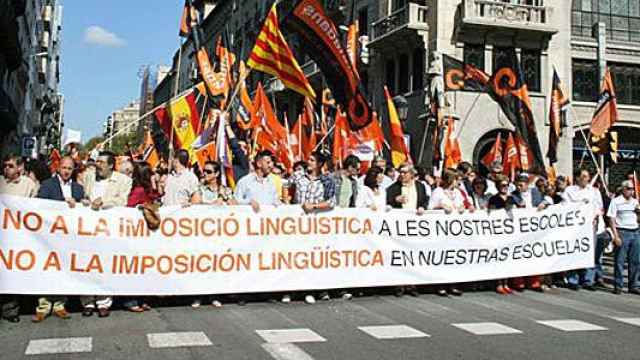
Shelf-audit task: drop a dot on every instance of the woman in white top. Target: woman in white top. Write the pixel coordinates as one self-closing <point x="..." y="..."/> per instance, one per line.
<point x="449" y="198"/>
<point x="372" y="195"/>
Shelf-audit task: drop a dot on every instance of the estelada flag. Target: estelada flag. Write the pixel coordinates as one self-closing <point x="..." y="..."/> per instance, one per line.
<point x="321" y="40"/>
<point x="452" y="152"/>
<point x="511" y="158"/>
<point x="495" y="154"/>
<point x="399" y="151"/>
<point x="181" y="117"/>
<point x="54" y="161"/>
<point x="606" y="113"/>
<point x="272" y="55"/>
<point x="461" y="76"/>
<point x="557" y="117"/>
<point x="508" y="88"/>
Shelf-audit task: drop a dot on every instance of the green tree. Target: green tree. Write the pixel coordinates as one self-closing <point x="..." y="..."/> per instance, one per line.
<point x="92" y="143"/>
<point x="121" y="144"/>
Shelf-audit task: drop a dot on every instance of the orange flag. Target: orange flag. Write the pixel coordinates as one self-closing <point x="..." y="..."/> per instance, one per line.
<point x="495" y="154"/>
<point x="526" y="156"/>
<point x="149" y="152"/>
<point x="399" y="150"/>
<point x="309" y="140"/>
<point x="341" y="135"/>
<point x="452" y="153"/>
<point x="206" y="153"/>
<point x="606" y="113"/>
<point x="372" y="132"/>
<point x="54" y="161"/>
<point x="296" y="139"/>
<point x="511" y="158"/>
<point x="272" y="55"/>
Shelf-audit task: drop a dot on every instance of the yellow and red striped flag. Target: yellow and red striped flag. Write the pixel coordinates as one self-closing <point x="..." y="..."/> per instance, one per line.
<point x="272" y="55"/>
<point x="399" y="151"/>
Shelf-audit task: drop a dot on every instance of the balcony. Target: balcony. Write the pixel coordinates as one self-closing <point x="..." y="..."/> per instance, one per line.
<point x="399" y="26"/>
<point x="508" y="15"/>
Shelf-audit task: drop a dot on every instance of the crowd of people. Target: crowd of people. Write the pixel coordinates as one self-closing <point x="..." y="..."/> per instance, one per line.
<point x="316" y="186"/>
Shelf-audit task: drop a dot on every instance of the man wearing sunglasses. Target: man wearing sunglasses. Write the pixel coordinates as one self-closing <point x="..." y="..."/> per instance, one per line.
<point x="13" y="182"/>
<point x="624" y="221"/>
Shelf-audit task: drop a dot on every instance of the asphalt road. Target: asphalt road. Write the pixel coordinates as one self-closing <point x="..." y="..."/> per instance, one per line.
<point x="479" y="325"/>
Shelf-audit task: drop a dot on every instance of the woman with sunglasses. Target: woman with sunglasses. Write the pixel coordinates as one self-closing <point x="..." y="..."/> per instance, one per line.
<point x="502" y="200"/>
<point x="212" y="192"/>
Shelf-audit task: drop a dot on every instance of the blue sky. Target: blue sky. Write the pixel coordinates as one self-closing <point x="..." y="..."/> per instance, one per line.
<point x="104" y="44"/>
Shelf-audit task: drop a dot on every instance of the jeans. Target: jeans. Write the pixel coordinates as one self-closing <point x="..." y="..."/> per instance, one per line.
<point x="586" y="276"/>
<point x="629" y="252"/>
<point x="596" y="273"/>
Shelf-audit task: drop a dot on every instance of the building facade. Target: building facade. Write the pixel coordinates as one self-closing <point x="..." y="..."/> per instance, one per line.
<point x="123" y="122"/>
<point x="30" y="103"/>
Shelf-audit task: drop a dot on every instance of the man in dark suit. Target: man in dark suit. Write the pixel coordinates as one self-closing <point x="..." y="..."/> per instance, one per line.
<point x="407" y="193"/>
<point x="60" y="187"/>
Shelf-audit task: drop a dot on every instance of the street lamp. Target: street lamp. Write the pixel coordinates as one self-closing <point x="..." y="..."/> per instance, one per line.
<point x="402" y="106"/>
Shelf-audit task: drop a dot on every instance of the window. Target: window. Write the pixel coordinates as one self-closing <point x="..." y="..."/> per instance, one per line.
<point x="363" y="21"/>
<point x="531" y="67"/>
<point x="474" y="55"/>
<point x="622" y="18"/>
<point x="501" y="55"/>
<point x="398" y="4"/>
<point x="418" y="69"/>
<point x="626" y="80"/>
<point x="403" y="74"/>
<point x="390" y="75"/>
<point x="585" y="80"/>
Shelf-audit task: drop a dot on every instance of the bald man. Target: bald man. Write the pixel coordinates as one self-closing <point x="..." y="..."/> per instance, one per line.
<point x="60" y="187"/>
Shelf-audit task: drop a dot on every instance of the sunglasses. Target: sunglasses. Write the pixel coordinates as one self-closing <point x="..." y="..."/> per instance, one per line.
<point x="10" y="166"/>
<point x="208" y="172"/>
<point x="503" y="185"/>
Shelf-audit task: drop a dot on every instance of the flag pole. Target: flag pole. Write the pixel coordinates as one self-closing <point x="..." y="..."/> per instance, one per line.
<point x="324" y="137"/>
<point x="175" y="92"/>
<point x="593" y="157"/>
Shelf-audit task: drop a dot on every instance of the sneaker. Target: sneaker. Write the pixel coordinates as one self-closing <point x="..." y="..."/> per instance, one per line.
<point x="325" y="296"/>
<point x="347" y="296"/>
<point x="286" y="299"/>
<point x="309" y="299"/>
<point x="216" y="303"/>
<point x="196" y="303"/>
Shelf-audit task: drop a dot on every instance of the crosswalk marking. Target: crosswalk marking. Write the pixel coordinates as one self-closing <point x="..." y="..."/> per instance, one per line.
<point x="59" y="346"/>
<point x="285" y="351"/>
<point x="571" y="325"/>
<point x="392" y="332"/>
<point x="631" y="321"/>
<point x="290" y="336"/>
<point x="487" y="328"/>
<point x="178" y="339"/>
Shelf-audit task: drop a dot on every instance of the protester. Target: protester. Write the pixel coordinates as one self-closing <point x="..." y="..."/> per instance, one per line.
<point x="479" y="195"/>
<point x="310" y="186"/>
<point x="584" y="192"/>
<point x="105" y="190"/>
<point x="239" y="160"/>
<point x="126" y="167"/>
<point x="61" y="187"/>
<point x="372" y="195"/>
<point x="347" y="183"/>
<point x="380" y="162"/>
<point x="211" y="191"/>
<point x="182" y="183"/>
<point x="37" y="170"/>
<point x="13" y="182"/>
<point x="502" y="200"/>
<point x="449" y="198"/>
<point x="622" y="213"/>
<point x="258" y="188"/>
<point x="142" y="193"/>
<point x="494" y="171"/>
<point x="407" y="193"/>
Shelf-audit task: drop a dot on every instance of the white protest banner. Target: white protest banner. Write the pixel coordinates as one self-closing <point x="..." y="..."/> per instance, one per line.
<point x="46" y="248"/>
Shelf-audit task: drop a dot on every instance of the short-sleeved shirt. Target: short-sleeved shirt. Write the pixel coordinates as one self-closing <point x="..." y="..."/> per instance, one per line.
<point x="180" y="187"/>
<point x="261" y="190"/>
<point x="210" y="196"/>
<point x="624" y="211"/>
<point x="441" y="199"/>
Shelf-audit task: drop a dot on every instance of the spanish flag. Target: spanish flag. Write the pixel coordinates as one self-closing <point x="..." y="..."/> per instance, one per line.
<point x="399" y="151"/>
<point x="272" y="55"/>
<point x="182" y="117"/>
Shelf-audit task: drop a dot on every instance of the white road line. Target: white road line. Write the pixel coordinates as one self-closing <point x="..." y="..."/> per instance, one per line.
<point x="392" y="332"/>
<point x="59" y="346"/>
<point x="571" y="325"/>
<point x="487" y="328"/>
<point x="290" y="336"/>
<point x="284" y="351"/>
<point x="631" y="321"/>
<point x="178" y="339"/>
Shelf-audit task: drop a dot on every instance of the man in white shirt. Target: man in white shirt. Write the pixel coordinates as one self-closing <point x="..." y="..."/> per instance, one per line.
<point x="624" y="220"/>
<point x="182" y="183"/>
<point x="584" y="192"/>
